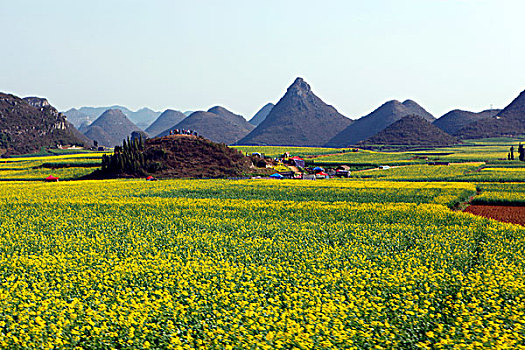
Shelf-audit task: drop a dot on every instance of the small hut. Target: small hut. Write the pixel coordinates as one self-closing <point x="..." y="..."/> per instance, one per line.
<point x="343" y="171"/>
<point x="298" y="161"/>
<point x="322" y="175"/>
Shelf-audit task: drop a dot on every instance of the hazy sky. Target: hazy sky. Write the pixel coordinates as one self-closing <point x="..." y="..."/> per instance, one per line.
<point x="444" y="54"/>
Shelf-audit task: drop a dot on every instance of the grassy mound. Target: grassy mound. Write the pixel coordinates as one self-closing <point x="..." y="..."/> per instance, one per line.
<point x="176" y="156"/>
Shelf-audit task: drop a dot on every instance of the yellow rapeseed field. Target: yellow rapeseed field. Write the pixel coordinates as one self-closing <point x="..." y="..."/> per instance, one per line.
<point x="178" y="265"/>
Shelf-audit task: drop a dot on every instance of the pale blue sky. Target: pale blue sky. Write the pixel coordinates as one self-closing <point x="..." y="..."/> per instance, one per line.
<point x="444" y="54"/>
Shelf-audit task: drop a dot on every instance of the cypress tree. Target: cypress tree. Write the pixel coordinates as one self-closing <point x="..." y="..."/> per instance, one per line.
<point x="104" y="163"/>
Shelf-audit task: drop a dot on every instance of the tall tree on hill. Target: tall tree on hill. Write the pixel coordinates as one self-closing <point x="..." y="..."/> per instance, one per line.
<point x="125" y="158"/>
<point x="511" y="153"/>
<point x="521" y="152"/>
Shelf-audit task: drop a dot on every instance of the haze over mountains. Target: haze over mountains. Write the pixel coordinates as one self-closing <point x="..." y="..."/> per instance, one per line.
<point x="86" y="115"/>
<point x="300" y="118"/>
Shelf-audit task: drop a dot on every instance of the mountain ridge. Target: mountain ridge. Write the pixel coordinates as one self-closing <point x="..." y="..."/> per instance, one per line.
<point x="167" y="119"/>
<point x="380" y="118"/>
<point x="261" y="114"/>
<point x="456" y="119"/>
<point x="509" y="122"/>
<point x="143" y="117"/>
<point x="115" y="126"/>
<point x="223" y="126"/>
<point x="411" y="130"/>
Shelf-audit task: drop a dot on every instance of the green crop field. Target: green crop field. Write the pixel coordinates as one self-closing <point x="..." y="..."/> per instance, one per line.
<point x="505" y="193"/>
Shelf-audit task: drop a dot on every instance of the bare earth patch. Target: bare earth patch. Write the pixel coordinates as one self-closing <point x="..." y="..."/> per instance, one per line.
<point x="505" y="213"/>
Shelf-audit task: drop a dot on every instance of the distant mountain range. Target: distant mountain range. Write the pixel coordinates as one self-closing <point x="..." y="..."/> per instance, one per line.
<point x="300" y="118"/>
<point x="111" y="128"/>
<point x="217" y="124"/>
<point x="411" y="130"/>
<point x="86" y="115"/>
<point x="261" y="114"/>
<point x="379" y="119"/>
<point x="27" y="125"/>
<point x="457" y="119"/>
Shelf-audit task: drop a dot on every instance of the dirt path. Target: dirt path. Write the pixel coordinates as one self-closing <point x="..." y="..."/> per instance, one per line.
<point x="505" y="213"/>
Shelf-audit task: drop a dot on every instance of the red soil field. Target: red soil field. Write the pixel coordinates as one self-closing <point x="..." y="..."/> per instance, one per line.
<point x="505" y="213"/>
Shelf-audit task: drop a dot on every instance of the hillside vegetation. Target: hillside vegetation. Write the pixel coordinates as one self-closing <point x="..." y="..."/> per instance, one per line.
<point x="175" y="156"/>
<point x="27" y="125"/>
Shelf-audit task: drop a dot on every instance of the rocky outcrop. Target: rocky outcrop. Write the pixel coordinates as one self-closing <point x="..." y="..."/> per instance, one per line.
<point x="27" y="125"/>
<point x="300" y="118"/>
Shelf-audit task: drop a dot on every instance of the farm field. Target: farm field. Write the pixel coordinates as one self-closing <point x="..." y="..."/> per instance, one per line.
<point x="507" y="194"/>
<point x="41" y="173"/>
<point x="323" y="191"/>
<point x="505" y="213"/>
<point x="367" y="158"/>
<point x="276" y="151"/>
<point x="468" y="172"/>
<point x="493" y="151"/>
<point x="378" y="260"/>
<point x="423" y="172"/>
<point x="66" y="167"/>
<point x="93" y="264"/>
<point x="490" y="151"/>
